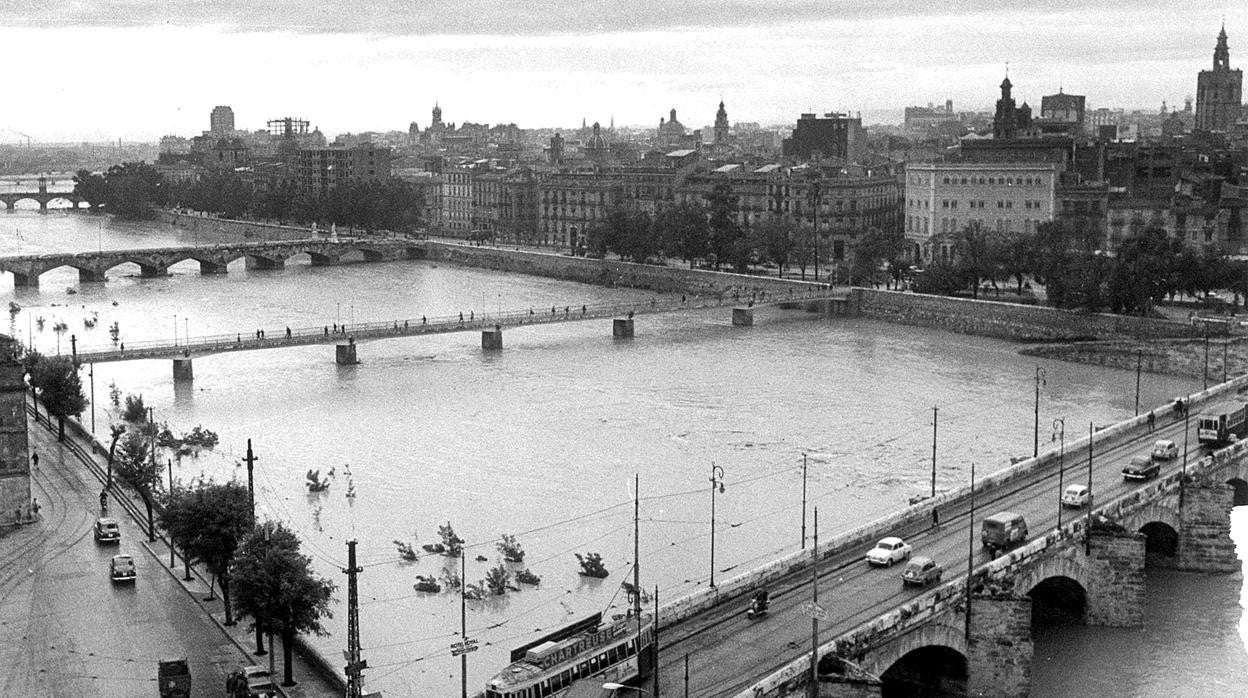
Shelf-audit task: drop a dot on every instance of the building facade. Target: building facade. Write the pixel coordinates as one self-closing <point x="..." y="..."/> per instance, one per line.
<point x="1219" y="91"/>
<point x="832" y="136"/>
<point x="318" y="170"/>
<point x="944" y="198"/>
<point x="221" y="121"/>
<point x="456" y="200"/>
<point x="15" y="501"/>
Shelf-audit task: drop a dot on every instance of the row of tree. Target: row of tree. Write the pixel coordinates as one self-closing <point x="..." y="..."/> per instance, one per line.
<point x="130" y="190"/>
<point x="1067" y="256"/>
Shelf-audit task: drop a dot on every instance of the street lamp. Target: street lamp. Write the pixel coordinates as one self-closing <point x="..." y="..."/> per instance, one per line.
<point x="612" y="686"/>
<point x="175" y="329"/>
<point x="717" y="480"/>
<point x="1059" y="432"/>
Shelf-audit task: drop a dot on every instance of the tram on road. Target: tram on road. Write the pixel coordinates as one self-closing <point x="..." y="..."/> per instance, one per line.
<point x="614" y="652"/>
<point x="1222" y="423"/>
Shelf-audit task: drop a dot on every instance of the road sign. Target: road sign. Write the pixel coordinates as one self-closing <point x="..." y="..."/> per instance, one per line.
<point x="468" y="645"/>
<point x="814" y="610"/>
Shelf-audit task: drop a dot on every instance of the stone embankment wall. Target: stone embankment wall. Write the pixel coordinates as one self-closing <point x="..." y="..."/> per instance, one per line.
<point x="606" y="272"/>
<point x="1014" y="321"/>
<point x="228" y="230"/>
<point x="1181" y="357"/>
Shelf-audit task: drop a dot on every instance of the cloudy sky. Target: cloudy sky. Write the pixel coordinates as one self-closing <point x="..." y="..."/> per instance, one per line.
<point x="138" y="69"/>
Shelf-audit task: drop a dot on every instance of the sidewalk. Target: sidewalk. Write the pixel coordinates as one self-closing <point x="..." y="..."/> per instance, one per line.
<point x="311" y="674"/>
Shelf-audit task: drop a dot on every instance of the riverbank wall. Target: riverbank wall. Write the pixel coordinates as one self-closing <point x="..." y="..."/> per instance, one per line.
<point x="1194" y="357"/>
<point x="228" y="230"/>
<point x="607" y="272"/>
<point x="1013" y="321"/>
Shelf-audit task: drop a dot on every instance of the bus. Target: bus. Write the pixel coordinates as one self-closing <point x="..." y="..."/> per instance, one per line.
<point x="615" y="652"/>
<point x="1222" y="423"/>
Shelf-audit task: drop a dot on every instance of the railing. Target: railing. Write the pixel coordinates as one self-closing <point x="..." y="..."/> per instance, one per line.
<point x="425" y="325"/>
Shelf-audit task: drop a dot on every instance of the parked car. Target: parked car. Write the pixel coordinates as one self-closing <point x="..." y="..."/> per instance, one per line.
<point x="121" y="568"/>
<point x="1165" y="449"/>
<point x="1076" y="496"/>
<point x="106" y="530"/>
<point x="921" y="571"/>
<point x="1141" y="468"/>
<point x="888" y="551"/>
<point x="256" y="682"/>
<point x="1003" y="530"/>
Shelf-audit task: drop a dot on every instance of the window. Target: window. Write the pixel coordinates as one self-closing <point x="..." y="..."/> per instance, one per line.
<point x="1000" y="203"/>
<point x="953" y="203"/>
<point x="944" y="203"/>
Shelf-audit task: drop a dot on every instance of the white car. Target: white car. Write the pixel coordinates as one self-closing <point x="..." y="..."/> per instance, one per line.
<point x="888" y="551"/>
<point x="1076" y="496"/>
<point x="1165" y="449"/>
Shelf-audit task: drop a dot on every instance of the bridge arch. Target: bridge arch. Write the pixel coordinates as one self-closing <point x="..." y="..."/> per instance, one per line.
<point x="1241" y="491"/>
<point x="1058" y="600"/>
<point x="13" y="201"/>
<point x="1160" y="525"/>
<point x="943" y="632"/>
<point x="930" y="670"/>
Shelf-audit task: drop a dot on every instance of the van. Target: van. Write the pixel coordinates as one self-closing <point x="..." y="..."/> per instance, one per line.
<point x="1002" y="531"/>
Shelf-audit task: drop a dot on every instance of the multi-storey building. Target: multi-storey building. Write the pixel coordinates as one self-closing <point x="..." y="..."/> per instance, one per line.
<point x="318" y="170"/>
<point x="832" y="136"/>
<point x="571" y="203"/>
<point x="456" y="200"/>
<point x="519" y="216"/>
<point x="487" y="201"/>
<point x="943" y="198"/>
<point x="221" y="122"/>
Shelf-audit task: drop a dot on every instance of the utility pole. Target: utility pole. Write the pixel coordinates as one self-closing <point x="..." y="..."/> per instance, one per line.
<point x="1139" y="361"/>
<point x="1187" y="408"/>
<point x="813" y="690"/>
<point x="637" y="562"/>
<point x="1059" y="426"/>
<point x="1206" y="356"/>
<point x="91" y="373"/>
<point x="1225" y="342"/>
<point x="935" y="411"/>
<point x="656" y="641"/>
<point x="463" y="619"/>
<point x="355" y="665"/>
<point x="803" y="501"/>
<point x="970" y="554"/>
<point x="172" y="562"/>
<point x="816" y="194"/>
<point x="73" y="347"/>
<point x="1087" y="538"/>
<point x="251" y="501"/>
<point x="1041" y="377"/>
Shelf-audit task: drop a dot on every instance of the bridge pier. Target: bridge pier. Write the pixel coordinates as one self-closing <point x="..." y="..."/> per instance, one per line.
<point x="492" y="339"/>
<point x="152" y="272"/>
<point x="622" y="328"/>
<point x="743" y="316"/>
<point x="212" y="268"/>
<point x="183" y="370"/>
<point x="1205" y="543"/>
<point x="999" y="649"/>
<point x="263" y="263"/>
<point x="345" y="354"/>
<point x="1116" y="577"/>
<point x="25" y="280"/>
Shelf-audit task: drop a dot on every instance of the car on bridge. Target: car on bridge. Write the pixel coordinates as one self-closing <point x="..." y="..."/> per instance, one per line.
<point x="1076" y="496"/>
<point x="1141" y="468"/>
<point x="1165" y="449"/>
<point x="1002" y="531"/>
<point x="889" y="551"/>
<point x="921" y="571"/>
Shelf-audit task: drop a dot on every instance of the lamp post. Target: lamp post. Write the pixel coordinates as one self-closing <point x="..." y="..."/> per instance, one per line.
<point x="803" y="501"/>
<point x="175" y="329"/>
<point x="1087" y="537"/>
<point x="717" y="481"/>
<point x="1187" y="408"/>
<point x="1139" y="360"/>
<point x="935" y="414"/>
<point x="816" y="197"/>
<point x="1059" y="432"/>
<point x="1041" y="378"/>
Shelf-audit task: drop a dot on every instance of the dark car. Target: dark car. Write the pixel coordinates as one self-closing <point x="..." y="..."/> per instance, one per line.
<point x="106" y="530"/>
<point x="121" y="569"/>
<point x="1141" y="468"/>
<point x="921" y="571"/>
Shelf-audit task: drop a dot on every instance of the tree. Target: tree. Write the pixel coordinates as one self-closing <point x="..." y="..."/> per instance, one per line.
<point x="775" y="241"/>
<point x="683" y="232"/>
<point x="876" y="249"/>
<point x="454" y="544"/>
<point x="115" y="433"/>
<point x="132" y="189"/>
<point x="135" y="411"/>
<point x="724" y="230"/>
<point x="1016" y="256"/>
<point x="57" y="377"/>
<point x="1067" y="263"/>
<point x="135" y="465"/>
<point x="210" y="521"/>
<point x="1141" y="271"/>
<point x="273" y="581"/>
<point x="91" y="188"/>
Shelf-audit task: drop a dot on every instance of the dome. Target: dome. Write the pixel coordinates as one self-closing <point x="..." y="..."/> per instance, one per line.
<point x="597" y="141"/>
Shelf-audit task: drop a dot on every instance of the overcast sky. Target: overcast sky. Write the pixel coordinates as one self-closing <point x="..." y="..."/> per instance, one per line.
<point x="139" y="69"/>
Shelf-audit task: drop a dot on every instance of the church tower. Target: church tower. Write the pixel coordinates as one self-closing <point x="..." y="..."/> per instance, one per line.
<point x="1004" y="122"/>
<point x="1219" y="91"/>
<point x="721" y="125"/>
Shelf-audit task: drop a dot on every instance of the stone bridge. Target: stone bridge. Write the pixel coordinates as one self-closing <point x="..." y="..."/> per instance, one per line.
<point x="42" y="196"/>
<point x="972" y="635"/>
<point x="212" y="259"/>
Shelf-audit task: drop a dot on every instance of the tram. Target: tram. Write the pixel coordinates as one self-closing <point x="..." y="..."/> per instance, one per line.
<point x="613" y="652"/>
<point x="1222" y="423"/>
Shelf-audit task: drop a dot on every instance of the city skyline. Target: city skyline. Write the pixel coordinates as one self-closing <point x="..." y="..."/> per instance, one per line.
<point x="379" y="67"/>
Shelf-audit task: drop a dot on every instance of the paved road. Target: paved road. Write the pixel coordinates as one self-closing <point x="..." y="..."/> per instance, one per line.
<point x="67" y="630"/>
<point x="728" y="653"/>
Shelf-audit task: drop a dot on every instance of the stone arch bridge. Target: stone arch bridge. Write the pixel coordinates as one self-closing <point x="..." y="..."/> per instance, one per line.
<point x="212" y="259"/>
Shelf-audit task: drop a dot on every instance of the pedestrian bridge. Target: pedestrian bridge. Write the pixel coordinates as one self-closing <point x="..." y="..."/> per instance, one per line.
<point x="490" y="325"/>
<point x="212" y="259"/>
<point x="970" y="633"/>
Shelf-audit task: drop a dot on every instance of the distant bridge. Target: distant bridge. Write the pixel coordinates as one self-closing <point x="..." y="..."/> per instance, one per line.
<point x="212" y="259"/>
<point x="490" y="325"/>
<point x="42" y="196"/>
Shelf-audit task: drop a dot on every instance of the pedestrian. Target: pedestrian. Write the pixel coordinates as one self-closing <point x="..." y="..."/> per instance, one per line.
<point x="935" y="517"/>
<point x="34" y="458"/>
<point x="461" y="316"/>
<point x="530" y="312"/>
<point x="682" y="298"/>
<point x="405" y="324"/>
<point x="471" y="315"/>
<point x="123" y="347"/>
<point x="423" y="321"/>
<point x="104" y="502"/>
<point x="582" y="310"/>
<point x="34" y="507"/>
<point x="239" y="338"/>
<point x="288" y="333"/>
<point x="1151" y="419"/>
<point x="327" y="330"/>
